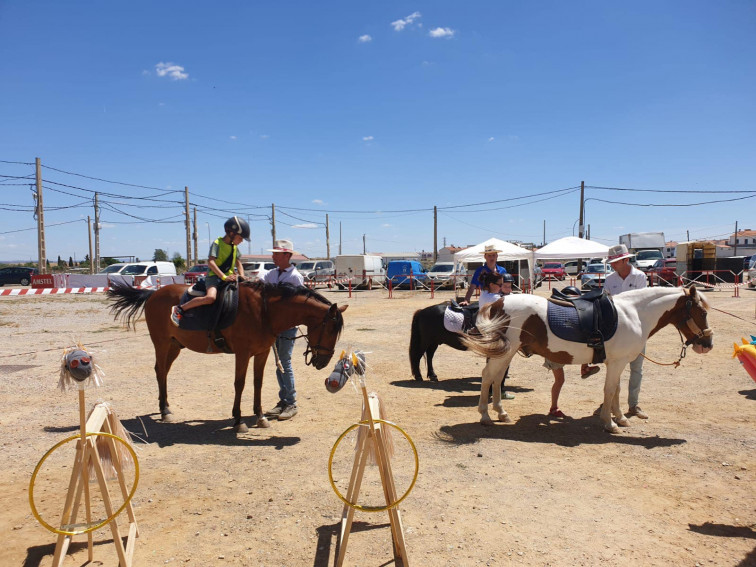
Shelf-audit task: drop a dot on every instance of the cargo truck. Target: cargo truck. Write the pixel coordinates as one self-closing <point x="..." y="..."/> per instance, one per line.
<point x="648" y="247"/>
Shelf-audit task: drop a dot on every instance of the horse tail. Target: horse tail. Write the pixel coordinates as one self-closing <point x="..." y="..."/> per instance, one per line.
<point x="491" y="337"/>
<point x="415" y="349"/>
<point x="128" y="302"/>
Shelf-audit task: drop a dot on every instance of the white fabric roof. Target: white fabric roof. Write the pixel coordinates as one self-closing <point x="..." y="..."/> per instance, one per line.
<point x="572" y="247"/>
<point x="509" y="251"/>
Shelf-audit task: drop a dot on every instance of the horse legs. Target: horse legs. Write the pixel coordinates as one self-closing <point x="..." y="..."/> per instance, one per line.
<point x="240" y="379"/>
<point x="492" y="376"/>
<point x="258" y="367"/>
<point x="165" y="354"/>
<point x="611" y="399"/>
<point x="429" y="362"/>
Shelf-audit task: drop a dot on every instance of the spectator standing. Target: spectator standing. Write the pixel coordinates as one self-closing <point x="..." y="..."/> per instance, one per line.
<point x="491" y="255"/>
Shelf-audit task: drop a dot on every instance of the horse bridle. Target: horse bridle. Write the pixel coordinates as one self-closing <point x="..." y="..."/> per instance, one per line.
<point x="698" y="332"/>
<point x="318" y="349"/>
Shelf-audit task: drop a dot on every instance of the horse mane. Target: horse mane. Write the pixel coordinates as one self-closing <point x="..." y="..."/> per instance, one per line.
<point x="284" y="290"/>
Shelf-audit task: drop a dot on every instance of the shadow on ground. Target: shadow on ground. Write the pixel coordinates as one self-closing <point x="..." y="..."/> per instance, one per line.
<point x="151" y="429"/>
<point x="539" y="428"/>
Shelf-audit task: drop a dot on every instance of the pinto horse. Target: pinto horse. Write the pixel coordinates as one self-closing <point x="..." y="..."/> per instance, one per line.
<point x="264" y="311"/>
<point x="519" y="323"/>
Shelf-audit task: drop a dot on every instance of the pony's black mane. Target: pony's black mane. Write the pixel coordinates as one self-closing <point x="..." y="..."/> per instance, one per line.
<point x="284" y="290"/>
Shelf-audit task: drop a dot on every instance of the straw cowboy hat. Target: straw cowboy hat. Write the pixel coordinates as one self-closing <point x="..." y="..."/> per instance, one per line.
<point x="491" y="249"/>
<point x="283" y="246"/>
<point x="618" y="252"/>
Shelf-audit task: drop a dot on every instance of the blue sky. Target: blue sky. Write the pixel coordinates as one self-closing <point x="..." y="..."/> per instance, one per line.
<point x="374" y="113"/>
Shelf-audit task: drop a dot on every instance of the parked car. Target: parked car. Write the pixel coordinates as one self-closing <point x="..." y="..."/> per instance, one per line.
<point x="443" y="274"/>
<point x="663" y="272"/>
<point x="16" y="275"/>
<point x="571" y="268"/>
<point x="594" y="275"/>
<point x="195" y="272"/>
<point x="554" y="271"/>
<point x="141" y="269"/>
<point x="316" y="271"/>
<point x="645" y="259"/>
<point x="257" y="270"/>
<point x="406" y="273"/>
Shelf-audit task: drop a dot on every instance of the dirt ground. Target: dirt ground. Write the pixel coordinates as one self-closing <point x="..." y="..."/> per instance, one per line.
<point x="674" y="490"/>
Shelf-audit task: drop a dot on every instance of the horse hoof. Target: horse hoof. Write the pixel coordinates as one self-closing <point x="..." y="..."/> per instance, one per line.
<point x="505" y="418"/>
<point x="611" y="428"/>
<point x="623" y="422"/>
<point x="263" y="423"/>
<point x="433" y="378"/>
<point x="486" y="421"/>
<point x="418" y="378"/>
<point x="166" y="417"/>
<point x="241" y="427"/>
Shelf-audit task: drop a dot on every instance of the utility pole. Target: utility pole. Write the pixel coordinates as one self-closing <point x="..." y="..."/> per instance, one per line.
<point x="328" y="239"/>
<point x="188" y="226"/>
<point x="364" y="249"/>
<point x="40" y="213"/>
<point x="543" y="241"/>
<point x="735" y="250"/>
<point x="687" y="237"/>
<point x="97" y="231"/>
<point x="581" y="221"/>
<point x="89" y="233"/>
<point x="249" y="242"/>
<point x="273" y="224"/>
<point x="194" y="236"/>
<point x="339" y="238"/>
<point x="435" y="233"/>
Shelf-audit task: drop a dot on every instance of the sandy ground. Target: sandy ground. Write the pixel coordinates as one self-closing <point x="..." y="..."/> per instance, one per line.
<point x="674" y="490"/>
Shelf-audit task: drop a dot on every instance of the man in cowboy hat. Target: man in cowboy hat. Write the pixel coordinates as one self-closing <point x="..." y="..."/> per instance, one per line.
<point x="624" y="278"/>
<point x="491" y="255"/>
<point x="285" y="272"/>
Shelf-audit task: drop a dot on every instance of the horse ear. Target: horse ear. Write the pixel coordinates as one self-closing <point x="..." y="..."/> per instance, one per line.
<point x="693" y="292"/>
<point x="343" y="308"/>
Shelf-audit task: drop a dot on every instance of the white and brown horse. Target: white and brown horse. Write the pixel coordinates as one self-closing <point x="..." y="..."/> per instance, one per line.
<point x="518" y="322"/>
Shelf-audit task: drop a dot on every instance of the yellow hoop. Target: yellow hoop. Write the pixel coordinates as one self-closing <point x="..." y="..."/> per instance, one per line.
<point x="372" y="508"/>
<point x="104" y="522"/>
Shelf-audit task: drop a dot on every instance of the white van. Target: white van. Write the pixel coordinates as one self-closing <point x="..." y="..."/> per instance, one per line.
<point x="141" y="269"/>
<point x="363" y="270"/>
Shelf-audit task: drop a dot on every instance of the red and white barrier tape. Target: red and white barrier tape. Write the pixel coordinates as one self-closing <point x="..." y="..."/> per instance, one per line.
<point x="52" y="290"/>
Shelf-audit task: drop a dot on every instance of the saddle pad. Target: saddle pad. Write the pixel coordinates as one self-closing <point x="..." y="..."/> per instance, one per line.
<point x="565" y="324"/>
<point x="453" y="320"/>
<point x="204" y="318"/>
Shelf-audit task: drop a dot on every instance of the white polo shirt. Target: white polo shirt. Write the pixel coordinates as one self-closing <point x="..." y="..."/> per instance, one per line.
<point x="615" y="285"/>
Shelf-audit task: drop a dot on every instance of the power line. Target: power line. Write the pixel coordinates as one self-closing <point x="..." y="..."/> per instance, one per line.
<point x="670" y="204"/>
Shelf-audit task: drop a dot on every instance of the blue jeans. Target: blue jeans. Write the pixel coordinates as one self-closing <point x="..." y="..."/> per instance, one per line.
<point x="636" y="375"/>
<point x="287" y="392"/>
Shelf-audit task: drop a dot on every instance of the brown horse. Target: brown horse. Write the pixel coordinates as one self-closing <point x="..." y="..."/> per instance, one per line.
<point x="264" y="311"/>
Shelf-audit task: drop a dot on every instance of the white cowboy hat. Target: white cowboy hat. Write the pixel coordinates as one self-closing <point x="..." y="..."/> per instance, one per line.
<point x="283" y="246"/>
<point x="617" y="253"/>
<point x="491" y="249"/>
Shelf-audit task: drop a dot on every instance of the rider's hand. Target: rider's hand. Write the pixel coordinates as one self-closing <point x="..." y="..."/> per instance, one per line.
<point x="231" y="278"/>
<point x="463" y="303"/>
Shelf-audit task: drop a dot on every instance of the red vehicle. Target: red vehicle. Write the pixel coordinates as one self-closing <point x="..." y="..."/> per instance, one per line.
<point x="554" y="271"/>
<point x="663" y="272"/>
<point x="195" y="272"/>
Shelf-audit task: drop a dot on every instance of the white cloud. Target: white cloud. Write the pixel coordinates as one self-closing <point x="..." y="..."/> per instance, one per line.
<point x="364" y="38"/>
<point x="175" y="72"/>
<point x="306" y="225"/>
<point x="317" y="201"/>
<point x="491" y="139"/>
<point x="399" y="25"/>
<point x="386" y="225"/>
<point x="442" y="32"/>
<point x="367" y="138"/>
<point x="232" y="138"/>
<point x="264" y="136"/>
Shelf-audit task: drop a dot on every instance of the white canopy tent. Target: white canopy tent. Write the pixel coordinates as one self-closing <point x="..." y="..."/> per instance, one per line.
<point x="509" y="251"/>
<point x="571" y="248"/>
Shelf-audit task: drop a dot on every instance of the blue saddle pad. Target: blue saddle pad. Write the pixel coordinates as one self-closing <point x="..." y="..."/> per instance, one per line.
<point x="204" y="318"/>
<point x="565" y="324"/>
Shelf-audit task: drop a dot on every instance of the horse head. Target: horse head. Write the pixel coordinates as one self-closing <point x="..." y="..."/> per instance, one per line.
<point x="691" y="321"/>
<point x="322" y="336"/>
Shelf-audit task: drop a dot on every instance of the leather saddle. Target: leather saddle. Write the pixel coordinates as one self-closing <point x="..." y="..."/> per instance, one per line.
<point x="212" y="318"/>
<point x="469" y="314"/>
<point x="590" y="318"/>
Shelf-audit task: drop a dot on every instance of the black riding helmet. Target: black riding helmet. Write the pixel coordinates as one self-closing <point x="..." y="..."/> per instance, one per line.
<point x="507" y="278"/>
<point x="236" y="225"/>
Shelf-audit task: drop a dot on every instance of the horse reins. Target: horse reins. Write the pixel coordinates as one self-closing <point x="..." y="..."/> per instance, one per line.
<point x="316" y="350"/>
<point x="698" y="333"/>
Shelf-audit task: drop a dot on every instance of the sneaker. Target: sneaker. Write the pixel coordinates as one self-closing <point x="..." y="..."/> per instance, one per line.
<point x="507" y="396"/>
<point x="288" y="412"/>
<point x="637" y="412"/>
<point x="589" y="371"/>
<point x="276" y="411"/>
<point x="176" y="314"/>
<point x="556" y="412"/>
